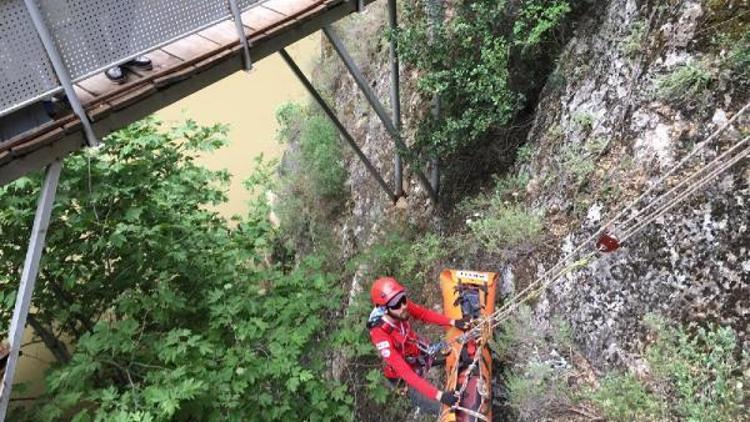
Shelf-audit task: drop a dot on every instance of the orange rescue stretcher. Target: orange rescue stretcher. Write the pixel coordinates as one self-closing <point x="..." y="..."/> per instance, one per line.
<point x="468" y="365"/>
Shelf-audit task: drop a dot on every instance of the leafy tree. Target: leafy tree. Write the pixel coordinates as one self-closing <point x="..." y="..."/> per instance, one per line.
<point x="172" y="314"/>
<point x="484" y="62"/>
<point x="117" y="209"/>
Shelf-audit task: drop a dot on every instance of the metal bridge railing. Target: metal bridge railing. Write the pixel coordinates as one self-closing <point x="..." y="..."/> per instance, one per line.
<point x="91" y="36"/>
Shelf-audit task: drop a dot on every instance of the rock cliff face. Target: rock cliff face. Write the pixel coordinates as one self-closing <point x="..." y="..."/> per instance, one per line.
<point x="606" y="128"/>
<point x="611" y="111"/>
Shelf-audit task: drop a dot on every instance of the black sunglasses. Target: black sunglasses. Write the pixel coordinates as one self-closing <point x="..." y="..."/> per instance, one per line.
<point x="398" y="304"/>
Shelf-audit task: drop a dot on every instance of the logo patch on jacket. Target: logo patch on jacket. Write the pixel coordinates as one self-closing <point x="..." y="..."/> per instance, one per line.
<point x="383" y="346"/>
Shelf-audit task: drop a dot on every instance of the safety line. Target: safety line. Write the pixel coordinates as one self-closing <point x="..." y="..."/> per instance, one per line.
<point x="692" y="188"/>
<point x="694" y="182"/>
<point x="522" y="296"/>
<point x="698" y="147"/>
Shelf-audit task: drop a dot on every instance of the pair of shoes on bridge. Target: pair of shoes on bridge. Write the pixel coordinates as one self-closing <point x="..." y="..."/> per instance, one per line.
<point x="117" y="74"/>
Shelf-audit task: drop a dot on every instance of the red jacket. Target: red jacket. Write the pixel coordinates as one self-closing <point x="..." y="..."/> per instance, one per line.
<point x="395" y="341"/>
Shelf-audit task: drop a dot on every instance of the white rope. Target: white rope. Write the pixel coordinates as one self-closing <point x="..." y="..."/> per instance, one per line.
<point x="691" y="189"/>
<point x="470" y="370"/>
<point x="512" y="305"/>
<point x="506" y="310"/>
<point x="471" y="413"/>
<point x="690" y="179"/>
<point x="694" y="182"/>
<point x="698" y="147"/>
<point x="555" y="272"/>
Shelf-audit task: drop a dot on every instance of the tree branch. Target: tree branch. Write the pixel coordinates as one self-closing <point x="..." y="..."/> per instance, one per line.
<point x="57" y="347"/>
<point x="86" y="322"/>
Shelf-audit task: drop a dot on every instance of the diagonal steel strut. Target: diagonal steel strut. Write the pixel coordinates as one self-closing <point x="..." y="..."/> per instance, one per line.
<point x="342" y="130"/>
<point x="28" y="278"/>
<point x="61" y="71"/>
<point x="237" y="18"/>
<point x="395" y="95"/>
<point x="375" y="103"/>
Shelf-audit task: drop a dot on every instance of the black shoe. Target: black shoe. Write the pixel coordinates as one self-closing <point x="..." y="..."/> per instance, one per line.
<point x="56" y="106"/>
<point x="141" y="62"/>
<point x="116" y="74"/>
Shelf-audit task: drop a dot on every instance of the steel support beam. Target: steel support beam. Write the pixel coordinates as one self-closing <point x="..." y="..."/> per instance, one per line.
<point x="437" y="110"/>
<point x="28" y="278"/>
<point x="237" y="17"/>
<point x="435" y="12"/>
<point x="331" y="115"/>
<point x="61" y="70"/>
<point x="395" y="94"/>
<point x="338" y="46"/>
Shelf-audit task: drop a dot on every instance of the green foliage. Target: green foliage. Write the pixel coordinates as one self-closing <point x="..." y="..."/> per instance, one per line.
<point x="530" y="389"/>
<point x="633" y="43"/>
<point x="537" y="19"/>
<point x="311" y="186"/>
<point x="738" y="60"/>
<point x="583" y="121"/>
<point x="707" y="375"/>
<point x="579" y="159"/>
<point x="500" y="220"/>
<point x="686" y="86"/>
<point x="524" y="154"/>
<point x="699" y="375"/>
<point x="465" y="61"/>
<point x="536" y="382"/>
<point x="117" y="208"/>
<point x="404" y="253"/>
<point x="511" y="187"/>
<point x="173" y="314"/>
<point x="505" y="226"/>
<point x="623" y="398"/>
<point x="320" y="156"/>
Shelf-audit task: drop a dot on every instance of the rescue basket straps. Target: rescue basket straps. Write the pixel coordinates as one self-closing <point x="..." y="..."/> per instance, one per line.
<point x="694" y="182"/>
<point x="465" y="410"/>
<point x="460" y="391"/>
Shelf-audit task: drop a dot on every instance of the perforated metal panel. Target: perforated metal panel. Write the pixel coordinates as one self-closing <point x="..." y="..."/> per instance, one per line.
<point x="94" y="34"/>
<point x="246" y="4"/>
<point x="25" y="72"/>
<point x="91" y="36"/>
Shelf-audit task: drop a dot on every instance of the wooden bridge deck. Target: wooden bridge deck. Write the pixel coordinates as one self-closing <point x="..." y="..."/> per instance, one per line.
<point x="180" y="68"/>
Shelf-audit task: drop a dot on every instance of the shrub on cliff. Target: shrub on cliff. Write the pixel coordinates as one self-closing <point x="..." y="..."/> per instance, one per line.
<point x="468" y="62"/>
<point x="696" y="375"/>
<point x="311" y="187"/>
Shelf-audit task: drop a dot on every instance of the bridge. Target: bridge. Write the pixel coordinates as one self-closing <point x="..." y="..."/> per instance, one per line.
<point x="191" y="45"/>
<point x="55" y="49"/>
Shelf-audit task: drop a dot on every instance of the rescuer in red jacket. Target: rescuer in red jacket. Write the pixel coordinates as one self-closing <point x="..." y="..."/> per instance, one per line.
<point x="400" y="347"/>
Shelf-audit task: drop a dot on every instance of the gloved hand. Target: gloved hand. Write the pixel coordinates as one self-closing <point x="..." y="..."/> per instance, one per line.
<point x="449" y="398"/>
<point x="462" y="324"/>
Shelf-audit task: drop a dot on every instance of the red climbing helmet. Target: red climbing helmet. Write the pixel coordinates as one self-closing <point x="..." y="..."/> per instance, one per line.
<point x="384" y="289"/>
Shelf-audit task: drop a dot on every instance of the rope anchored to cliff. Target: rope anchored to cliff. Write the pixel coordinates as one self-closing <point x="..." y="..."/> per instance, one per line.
<point x="605" y="240"/>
